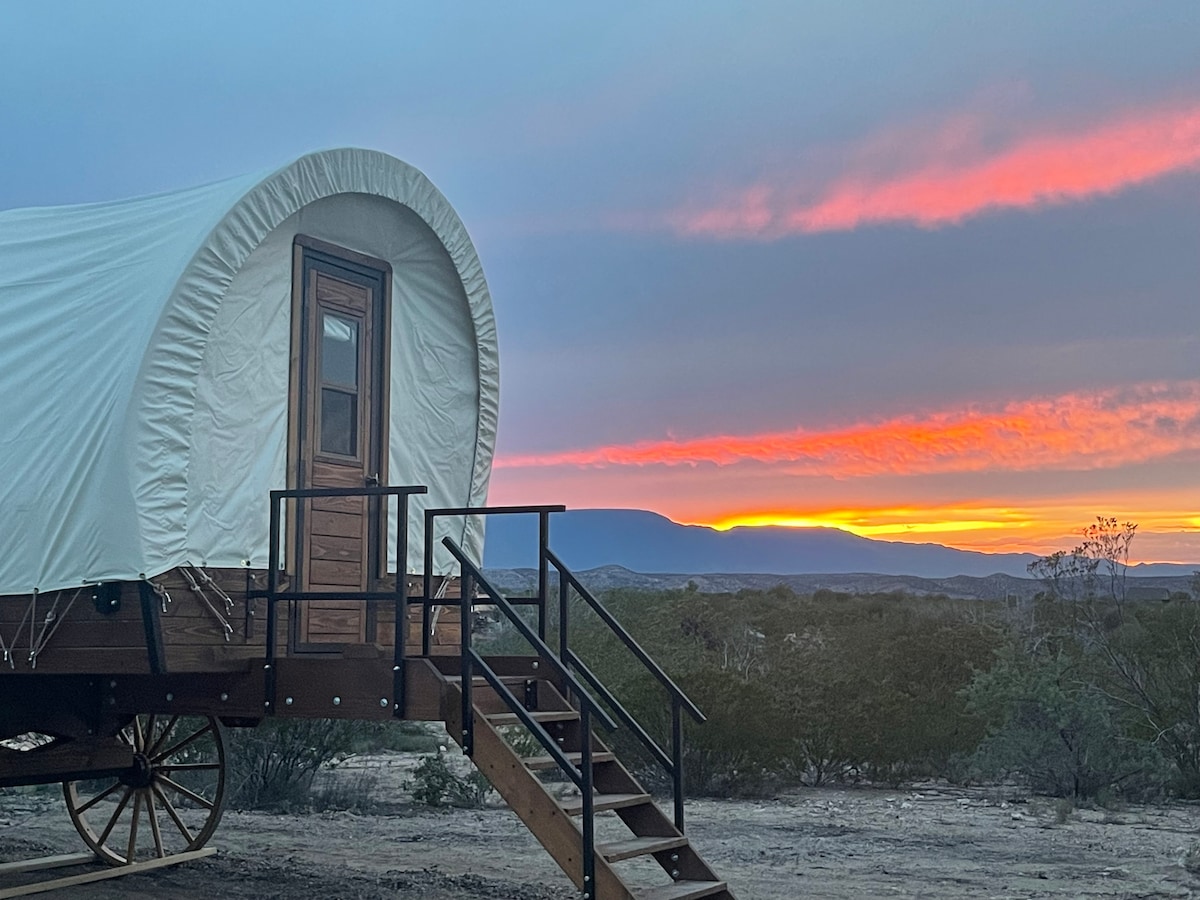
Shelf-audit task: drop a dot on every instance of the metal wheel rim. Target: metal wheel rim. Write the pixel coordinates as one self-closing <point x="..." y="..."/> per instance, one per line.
<point x="170" y="802"/>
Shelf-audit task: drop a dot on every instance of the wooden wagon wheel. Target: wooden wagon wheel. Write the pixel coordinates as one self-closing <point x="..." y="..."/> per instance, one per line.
<point x="169" y="801"/>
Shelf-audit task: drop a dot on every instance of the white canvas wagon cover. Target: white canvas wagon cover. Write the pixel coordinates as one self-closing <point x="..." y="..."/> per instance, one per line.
<point x="144" y="365"/>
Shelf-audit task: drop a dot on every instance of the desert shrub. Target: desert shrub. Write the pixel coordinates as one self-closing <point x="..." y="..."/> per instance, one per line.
<point x="797" y="689"/>
<point x="435" y="782"/>
<point x="334" y="790"/>
<point x="1053" y="727"/>
<point x="1150" y="663"/>
<point x="273" y="765"/>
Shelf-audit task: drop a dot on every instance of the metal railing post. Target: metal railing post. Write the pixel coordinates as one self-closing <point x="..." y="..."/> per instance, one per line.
<point x="589" y="811"/>
<point x="467" y="588"/>
<point x="564" y="600"/>
<point x="272" y="614"/>
<point x="400" y="636"/>
<point x="543" y="570"/>
<point x="427" y="593"/>
<point x="677" y="758"/>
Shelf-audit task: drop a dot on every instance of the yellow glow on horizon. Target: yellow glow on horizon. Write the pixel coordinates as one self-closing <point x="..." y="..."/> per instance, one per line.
<point x="998" y="529"/>
<point x="853" y="522"/>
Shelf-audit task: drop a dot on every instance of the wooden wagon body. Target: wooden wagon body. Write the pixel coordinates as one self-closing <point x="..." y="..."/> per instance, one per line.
<point x="247" y="435"/>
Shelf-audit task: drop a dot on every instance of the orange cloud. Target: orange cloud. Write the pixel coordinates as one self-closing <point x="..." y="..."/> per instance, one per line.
<point x="1078" y="431"/>
<point x="961" y="175"/>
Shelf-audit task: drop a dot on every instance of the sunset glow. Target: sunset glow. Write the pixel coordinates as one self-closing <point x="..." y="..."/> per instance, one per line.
<point x="961" y="174"/>
<point x="829" y="477"/>
<point x="1074" y="431"/>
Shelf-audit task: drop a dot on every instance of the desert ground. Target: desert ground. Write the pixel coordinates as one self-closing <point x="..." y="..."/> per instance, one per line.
<point x="929" y="841"/>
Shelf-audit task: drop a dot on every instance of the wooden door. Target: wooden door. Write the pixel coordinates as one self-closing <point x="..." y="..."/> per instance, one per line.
<point x="340" y="426"/>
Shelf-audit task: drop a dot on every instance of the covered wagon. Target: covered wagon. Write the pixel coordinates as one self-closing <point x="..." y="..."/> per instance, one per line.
<point x="246" y="432"/>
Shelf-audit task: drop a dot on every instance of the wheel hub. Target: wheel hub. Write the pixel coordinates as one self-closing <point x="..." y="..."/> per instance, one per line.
<point x="140" y="774"/>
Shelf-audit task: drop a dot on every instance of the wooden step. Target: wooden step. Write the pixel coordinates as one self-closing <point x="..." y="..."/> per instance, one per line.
<point x="639" y="846"/>
<point x="547" y="715"/>
<point x="479" y="680"/>
<point x="574" y="805"/>
<point x="683" y="890"/>
<point x="548" y="762"/>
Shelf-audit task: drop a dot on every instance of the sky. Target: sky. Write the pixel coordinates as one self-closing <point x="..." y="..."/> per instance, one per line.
<point x="925" y="271"/>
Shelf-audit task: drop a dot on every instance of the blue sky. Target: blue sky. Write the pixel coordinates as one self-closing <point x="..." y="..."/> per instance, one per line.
<point x="846" y="233"/>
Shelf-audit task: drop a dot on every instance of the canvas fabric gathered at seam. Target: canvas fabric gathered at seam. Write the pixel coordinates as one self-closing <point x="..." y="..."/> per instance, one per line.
<point x="108" y="314"/>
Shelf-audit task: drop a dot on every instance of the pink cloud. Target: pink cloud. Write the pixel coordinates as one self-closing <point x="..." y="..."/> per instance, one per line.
<point x="948" y="173"/>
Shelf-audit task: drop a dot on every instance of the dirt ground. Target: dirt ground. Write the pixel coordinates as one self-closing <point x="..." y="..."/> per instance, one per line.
<point x="930" y="842"/>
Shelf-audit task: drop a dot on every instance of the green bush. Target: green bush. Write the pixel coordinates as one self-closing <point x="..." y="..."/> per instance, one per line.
<point x="796" y="688"/>
<point x="273" y="765"/>
<point x="289" y="763"/>
<point x="436" y="783"/>
<point x="1055" y="729"/>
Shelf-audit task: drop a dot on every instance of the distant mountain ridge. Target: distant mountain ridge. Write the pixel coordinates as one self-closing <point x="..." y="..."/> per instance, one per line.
<point x="642" y="541"/>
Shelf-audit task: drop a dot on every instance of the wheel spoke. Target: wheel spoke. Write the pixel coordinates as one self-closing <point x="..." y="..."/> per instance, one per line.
<point x="188" y="767"/>
<point x="139" y="736"/>
<point x="170" y="808"/>
<point x="180" y="789"/>
<point x="152" y="815"/>
<point x="151" y="722"/>
<point x="163" y="735"/>
<point x="113" y="820"/>
<point x="175" y="748"/>
<point x="104" y="793"/>
<point x="133" y="826"/>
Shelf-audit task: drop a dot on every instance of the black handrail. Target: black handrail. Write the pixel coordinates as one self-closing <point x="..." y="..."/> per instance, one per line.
<point x="541" y="647"/>
<point x="398" y="595"/>
<point x="621" y="712"/>
<point x="679" y="700"/>
<point x="543" y="513"/>
<point x="626" y="638"/>
<point x="583" y="776"/>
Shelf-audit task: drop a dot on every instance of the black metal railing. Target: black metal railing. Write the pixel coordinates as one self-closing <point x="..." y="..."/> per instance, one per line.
<point x="428" y="601"/>
<point x="398" y="595"/>
<point x="472" y="662"/>
<point x="673" y="762"/>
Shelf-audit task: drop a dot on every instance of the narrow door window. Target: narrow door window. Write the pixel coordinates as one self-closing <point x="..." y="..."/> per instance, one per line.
<point x="339" y="380"/>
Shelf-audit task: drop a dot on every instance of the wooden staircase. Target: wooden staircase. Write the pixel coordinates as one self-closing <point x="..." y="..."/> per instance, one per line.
<point x="637" y="830"/>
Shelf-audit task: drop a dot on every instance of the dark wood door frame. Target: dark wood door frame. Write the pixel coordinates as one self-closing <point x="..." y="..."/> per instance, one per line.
<point x="355" y="276"/>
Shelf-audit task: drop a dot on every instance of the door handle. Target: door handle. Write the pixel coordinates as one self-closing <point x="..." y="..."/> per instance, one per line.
<point x="372" y="480"/>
